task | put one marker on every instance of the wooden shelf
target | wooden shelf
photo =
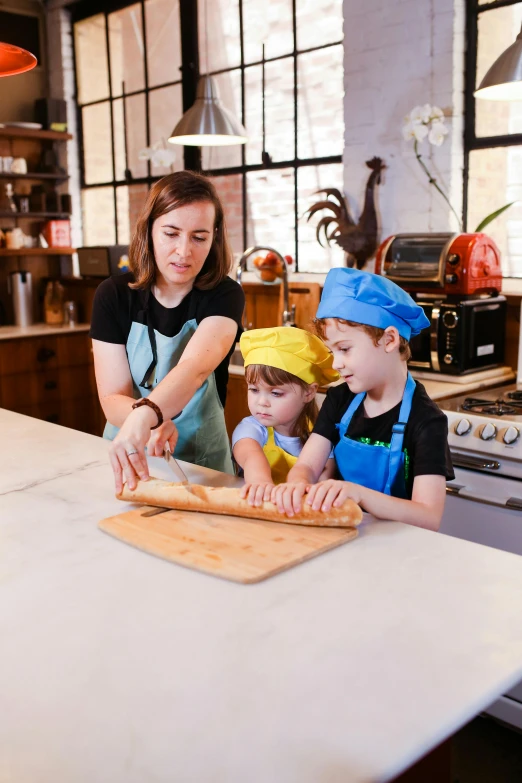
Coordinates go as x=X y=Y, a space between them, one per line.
x=57 y=215
x=30 y=133
x=35 y=175
x=38 y=251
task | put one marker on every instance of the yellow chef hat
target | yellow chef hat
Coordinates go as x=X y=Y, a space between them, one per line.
x=293 y=350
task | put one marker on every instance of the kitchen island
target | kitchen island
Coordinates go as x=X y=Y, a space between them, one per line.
x=118 y=667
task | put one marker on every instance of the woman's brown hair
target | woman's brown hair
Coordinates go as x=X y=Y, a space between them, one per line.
x=273 y=376
x=178 y=190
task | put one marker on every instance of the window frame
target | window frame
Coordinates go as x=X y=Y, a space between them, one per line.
x=188 y=81
x=473 y=142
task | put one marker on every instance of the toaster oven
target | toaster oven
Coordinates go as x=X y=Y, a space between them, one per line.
x=460 y=264
x=464 y=336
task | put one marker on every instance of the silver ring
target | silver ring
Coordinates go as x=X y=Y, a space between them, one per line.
x=135 y=451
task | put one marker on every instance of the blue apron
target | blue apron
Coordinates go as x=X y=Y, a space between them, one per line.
x=202 y=438
x=375 y=466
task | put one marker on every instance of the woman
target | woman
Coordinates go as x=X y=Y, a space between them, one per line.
x=163 y=335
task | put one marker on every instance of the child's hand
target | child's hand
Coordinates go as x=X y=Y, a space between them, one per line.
x=289 y=497
x=330 y=493
x=256 y=494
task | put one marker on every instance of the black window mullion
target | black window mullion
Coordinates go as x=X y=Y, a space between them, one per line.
x=146 y=79
x=107 y=45
x=244 y=199
x=188 y=16
x=296 y=216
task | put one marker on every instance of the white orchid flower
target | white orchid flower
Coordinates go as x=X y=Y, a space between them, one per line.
x=437 y=133
x=421 y=114
x=436 y=113
x=414 y=130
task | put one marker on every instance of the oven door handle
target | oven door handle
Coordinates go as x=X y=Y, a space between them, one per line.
x=474 y=463
x=434 y=338
x=459 y=490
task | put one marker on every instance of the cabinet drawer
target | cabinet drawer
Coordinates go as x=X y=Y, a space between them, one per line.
x=53 y=385
x=28 y=355
x=34 y=354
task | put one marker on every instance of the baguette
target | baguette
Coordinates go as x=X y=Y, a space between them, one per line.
x=226 y=500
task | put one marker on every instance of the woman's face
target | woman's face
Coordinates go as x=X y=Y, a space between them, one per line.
x=182 y=239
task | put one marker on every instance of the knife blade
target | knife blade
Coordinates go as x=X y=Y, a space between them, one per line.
x=175 y=467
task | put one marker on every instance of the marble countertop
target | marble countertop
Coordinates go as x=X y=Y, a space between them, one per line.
x=39 y=330
x=117 y=666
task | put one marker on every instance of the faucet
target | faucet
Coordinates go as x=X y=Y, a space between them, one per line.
x=288 y=312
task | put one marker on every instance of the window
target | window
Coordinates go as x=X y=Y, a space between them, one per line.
x=130 y=95
x=303 y=108
x=493 y=133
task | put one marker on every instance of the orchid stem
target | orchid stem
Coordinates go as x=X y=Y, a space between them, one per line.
x=434 y=182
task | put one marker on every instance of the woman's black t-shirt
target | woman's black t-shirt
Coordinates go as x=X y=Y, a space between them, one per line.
x=425 y=436
x=116 y=306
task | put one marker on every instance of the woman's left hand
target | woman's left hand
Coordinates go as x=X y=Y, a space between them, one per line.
x=127 y=450
x=325 y=494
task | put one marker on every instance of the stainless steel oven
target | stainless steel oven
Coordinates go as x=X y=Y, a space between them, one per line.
x=484 y=502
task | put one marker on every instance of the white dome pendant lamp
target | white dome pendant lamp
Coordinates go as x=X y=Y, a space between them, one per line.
x=208 y=123
x=503 y=81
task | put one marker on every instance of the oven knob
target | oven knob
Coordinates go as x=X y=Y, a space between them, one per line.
x=450 y=319
x=452 y=279
x=511 y=435
x=448 y=358
x=453 y=259
x=463 y=426
x=488 y=431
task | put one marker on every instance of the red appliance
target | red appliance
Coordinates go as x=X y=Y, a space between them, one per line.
x=461 y=264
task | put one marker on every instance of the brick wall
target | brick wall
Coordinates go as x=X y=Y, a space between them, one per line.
x=62 y=85
x=398 y=55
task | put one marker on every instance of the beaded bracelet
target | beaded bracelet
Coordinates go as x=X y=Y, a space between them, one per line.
x=155 y=408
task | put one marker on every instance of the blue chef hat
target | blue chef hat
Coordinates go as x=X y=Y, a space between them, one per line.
x=372 y=300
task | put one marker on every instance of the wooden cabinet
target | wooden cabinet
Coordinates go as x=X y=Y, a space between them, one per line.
x=236 y=407
x=51 y=378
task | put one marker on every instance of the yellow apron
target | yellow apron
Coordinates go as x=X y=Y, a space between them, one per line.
x=279 y=460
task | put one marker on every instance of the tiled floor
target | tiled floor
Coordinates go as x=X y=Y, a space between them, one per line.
x=486 y=752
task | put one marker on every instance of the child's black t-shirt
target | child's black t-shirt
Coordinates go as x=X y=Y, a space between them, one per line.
x=425 y=436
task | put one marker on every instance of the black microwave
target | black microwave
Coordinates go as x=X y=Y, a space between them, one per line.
x=462 y=337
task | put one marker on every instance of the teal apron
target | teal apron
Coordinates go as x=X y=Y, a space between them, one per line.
x=376 y=467
x=202 y=434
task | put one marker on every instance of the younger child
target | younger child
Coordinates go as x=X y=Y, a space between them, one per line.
x=390 y=439
x=283 y=367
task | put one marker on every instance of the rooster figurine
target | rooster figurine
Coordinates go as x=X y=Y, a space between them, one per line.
x=358 y=240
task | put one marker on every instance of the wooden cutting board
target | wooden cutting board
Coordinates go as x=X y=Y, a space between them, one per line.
x=242 y=550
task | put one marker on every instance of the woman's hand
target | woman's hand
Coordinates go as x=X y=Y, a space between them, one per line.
x=159 y=438
x=257 y=494
x=127 y=450
x=325 y=494
x=289 y=497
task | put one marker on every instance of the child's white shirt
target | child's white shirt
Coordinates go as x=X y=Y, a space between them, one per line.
x=251 y=428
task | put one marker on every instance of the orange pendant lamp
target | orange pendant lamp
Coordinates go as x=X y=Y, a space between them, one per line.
x=14 y=59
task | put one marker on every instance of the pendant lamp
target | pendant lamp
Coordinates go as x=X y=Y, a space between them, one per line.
x=14 y=59
x=503 y=81
x=208 y=122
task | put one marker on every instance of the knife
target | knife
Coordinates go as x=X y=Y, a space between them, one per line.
x=175 y=466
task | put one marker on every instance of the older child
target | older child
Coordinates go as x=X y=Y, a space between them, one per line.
x=390 y=439
x=283 y=368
